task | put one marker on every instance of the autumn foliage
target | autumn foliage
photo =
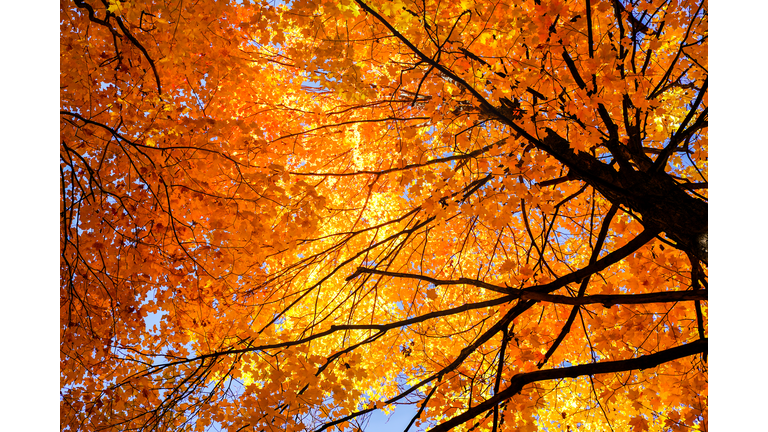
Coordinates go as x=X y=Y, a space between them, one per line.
x=284 y=216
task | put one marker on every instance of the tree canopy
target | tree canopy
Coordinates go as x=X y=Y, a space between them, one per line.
x=284 y=216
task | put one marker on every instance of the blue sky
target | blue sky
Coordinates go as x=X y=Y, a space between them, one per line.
x=397 y=421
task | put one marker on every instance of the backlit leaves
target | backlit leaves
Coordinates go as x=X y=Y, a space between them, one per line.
x=288 y=216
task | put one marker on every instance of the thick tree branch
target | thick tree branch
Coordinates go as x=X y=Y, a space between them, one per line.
x=608 y=300
x=521 y=380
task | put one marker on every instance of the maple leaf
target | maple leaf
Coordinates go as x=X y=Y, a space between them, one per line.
x=639 y=424
x=115 y=6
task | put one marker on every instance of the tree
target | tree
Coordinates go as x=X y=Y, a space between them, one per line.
x=493 y=211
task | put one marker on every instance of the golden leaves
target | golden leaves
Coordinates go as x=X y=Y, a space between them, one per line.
x=296 y=144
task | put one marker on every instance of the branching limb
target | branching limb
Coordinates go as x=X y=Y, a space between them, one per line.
x=521 y=380
x=583 y=288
